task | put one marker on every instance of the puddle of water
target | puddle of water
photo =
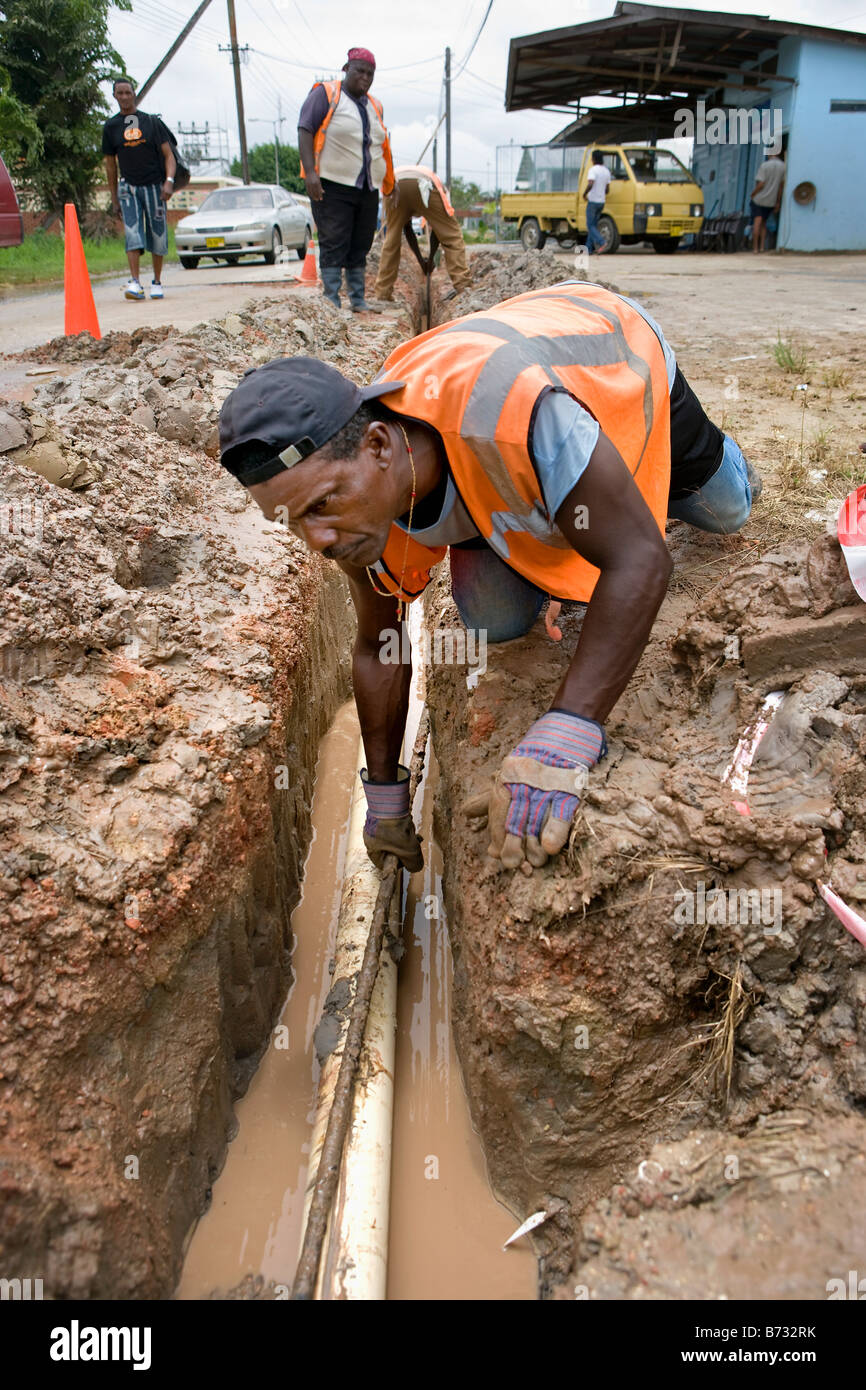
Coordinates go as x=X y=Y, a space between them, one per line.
x=446 y=1228
x=253 y=1225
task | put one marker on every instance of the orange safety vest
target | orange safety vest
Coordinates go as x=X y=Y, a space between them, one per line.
x=333 y=90
x=420 y=171
x=478 y=380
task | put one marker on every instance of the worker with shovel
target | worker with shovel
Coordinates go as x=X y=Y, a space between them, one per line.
x=418 y=192
x=543 y=442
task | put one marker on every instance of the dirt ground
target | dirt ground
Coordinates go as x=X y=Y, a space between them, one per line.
x=163 y=652
x=612 y=1044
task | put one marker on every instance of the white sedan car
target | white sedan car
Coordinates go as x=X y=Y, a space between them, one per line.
x=259 y=219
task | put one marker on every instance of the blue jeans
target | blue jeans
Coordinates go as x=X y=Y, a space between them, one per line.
x=493 y=598
x=593 y=236
x=724 y=501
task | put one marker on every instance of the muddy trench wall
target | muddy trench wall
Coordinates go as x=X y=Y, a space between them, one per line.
x=168 y=664
x=675 y=1082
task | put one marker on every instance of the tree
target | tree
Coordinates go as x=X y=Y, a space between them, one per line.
x=56 y=53
x=20 y=136
x=467 y=195
x=261 y=160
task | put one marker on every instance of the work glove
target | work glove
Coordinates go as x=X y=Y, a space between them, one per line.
x=535 y=795
x=389 y=828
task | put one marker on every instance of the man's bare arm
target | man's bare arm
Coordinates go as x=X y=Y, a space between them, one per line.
x=308 y=160
x=111 y=176
x=624 y=542
x=381 y=688
x=170 y=170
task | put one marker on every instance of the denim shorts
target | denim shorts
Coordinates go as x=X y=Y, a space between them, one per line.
x=758 y=210
x=145 y=223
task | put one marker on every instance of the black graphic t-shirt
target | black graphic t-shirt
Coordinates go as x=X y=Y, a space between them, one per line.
x=135 y=140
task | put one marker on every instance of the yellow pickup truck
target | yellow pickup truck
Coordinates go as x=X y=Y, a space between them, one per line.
x=651 y=197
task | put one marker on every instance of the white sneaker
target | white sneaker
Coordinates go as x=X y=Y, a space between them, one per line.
x=156 y=290
x=132 y=290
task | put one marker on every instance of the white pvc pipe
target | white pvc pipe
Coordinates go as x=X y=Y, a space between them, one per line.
x=354 y=1261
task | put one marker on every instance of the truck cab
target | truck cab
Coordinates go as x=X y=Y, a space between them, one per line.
x=652 y=197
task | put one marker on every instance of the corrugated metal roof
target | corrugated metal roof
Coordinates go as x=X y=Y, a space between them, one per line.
x=645 y=52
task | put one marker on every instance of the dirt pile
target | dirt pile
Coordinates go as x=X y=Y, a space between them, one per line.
x=498 y=275
x=677 y=967
x=174 y=388
x=168 y=663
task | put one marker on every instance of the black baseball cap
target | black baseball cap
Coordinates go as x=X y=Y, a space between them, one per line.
x=293 y=404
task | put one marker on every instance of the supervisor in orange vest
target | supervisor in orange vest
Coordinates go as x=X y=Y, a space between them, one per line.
x=543 y=443
x=345 y=160
x=418 y=192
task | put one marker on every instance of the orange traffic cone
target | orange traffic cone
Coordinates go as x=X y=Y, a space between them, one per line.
x=309 y=273
x=80 y=315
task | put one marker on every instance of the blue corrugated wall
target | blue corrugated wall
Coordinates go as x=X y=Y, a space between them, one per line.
x=824 y=148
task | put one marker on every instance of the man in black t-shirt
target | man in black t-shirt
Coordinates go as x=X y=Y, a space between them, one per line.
x=140 y=144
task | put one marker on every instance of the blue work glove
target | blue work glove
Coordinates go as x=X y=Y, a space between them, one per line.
x=537 y=791
x=389 y=828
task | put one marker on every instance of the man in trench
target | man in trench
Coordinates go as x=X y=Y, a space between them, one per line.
x=541 y=444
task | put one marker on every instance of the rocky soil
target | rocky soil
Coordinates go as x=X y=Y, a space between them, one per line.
x=168 y=663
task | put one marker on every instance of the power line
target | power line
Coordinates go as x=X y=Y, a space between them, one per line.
x=495 y=85
x=165 y=14
x=306 y=21
x=474 y=41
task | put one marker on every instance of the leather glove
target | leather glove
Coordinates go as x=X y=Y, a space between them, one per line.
x=535 y=794
x=389 y=828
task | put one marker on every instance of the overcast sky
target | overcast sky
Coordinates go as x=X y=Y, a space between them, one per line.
x=293 y=42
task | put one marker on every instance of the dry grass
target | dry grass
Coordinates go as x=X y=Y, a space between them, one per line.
x=834 y=378
x=813 y=476
x=719 y=1037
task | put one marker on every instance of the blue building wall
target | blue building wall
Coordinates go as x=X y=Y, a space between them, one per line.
x=824 y=148
x=828 y=150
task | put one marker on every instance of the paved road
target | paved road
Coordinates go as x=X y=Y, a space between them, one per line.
x=36 y=316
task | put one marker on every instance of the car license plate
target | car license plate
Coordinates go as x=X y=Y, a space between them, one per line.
x=676 y=229
x=213 y=241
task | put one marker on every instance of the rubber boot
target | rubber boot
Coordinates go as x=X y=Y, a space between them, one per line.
x=331 y=277
x=355 y=278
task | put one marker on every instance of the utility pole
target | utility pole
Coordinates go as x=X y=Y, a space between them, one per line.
x=239 y=91
x=194 y=19
x=448 y=119
x=278 y=135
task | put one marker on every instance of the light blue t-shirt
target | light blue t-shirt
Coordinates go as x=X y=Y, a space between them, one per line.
x=563 y=437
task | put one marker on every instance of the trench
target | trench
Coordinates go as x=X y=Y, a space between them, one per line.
x=447 y=1229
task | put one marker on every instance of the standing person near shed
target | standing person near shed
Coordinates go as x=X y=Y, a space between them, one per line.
x=418 y=192
x=766 y=197
x=345 y=161
x=594 y=195
x=141 y=146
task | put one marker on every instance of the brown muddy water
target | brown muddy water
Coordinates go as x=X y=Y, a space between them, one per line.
x=446 y=1227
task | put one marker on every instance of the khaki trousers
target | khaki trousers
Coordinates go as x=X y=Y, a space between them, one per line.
x=446 y=228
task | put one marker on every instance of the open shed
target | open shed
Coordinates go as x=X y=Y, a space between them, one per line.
x=737 y=84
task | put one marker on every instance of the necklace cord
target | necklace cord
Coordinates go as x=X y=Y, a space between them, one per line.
x=400 y=602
